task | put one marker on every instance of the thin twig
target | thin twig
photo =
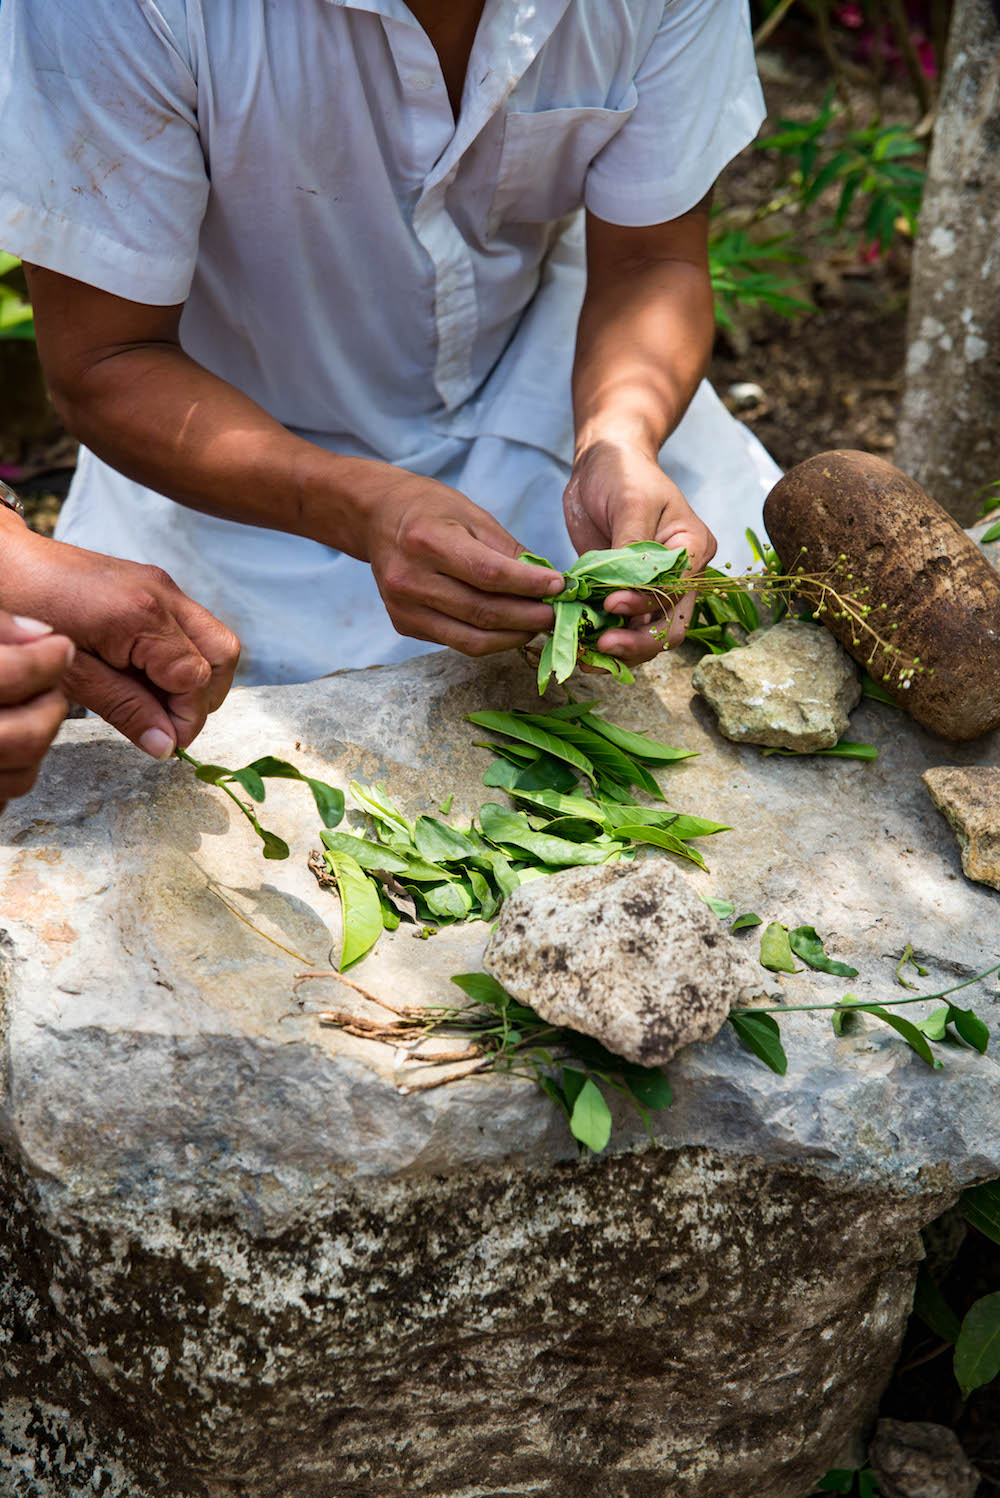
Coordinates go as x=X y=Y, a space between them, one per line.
x=247 y=922
x=767 y=28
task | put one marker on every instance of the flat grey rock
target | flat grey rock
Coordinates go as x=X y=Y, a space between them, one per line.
x=792 y=686
x=239 y=1253
x=627 y=953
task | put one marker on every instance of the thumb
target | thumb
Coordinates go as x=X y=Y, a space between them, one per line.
x=15 y=629
x=121 y=699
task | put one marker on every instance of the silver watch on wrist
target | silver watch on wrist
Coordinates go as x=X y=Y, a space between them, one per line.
x=9 y=499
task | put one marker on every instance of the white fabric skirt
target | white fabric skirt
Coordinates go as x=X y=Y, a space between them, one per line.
x=302 y=610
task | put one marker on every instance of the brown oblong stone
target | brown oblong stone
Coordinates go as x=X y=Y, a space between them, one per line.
x=937 y=587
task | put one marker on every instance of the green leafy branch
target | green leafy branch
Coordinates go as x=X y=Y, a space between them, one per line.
x=329 y=800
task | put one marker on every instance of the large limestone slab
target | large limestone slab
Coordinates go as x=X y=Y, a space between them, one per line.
x=238 y=1258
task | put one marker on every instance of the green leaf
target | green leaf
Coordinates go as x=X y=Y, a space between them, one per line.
x=775 y=949
x=977 y=1351
x=761 y=1035
x=981 y=1207
x=722 y=908
x=329 y=801
x=212 y=774
x=369 y=855
x=565 y=639
x=546 y=663
x=648 y=1084
x=275 y=847
x=637 y=744
x=439 y=843
x=932 y=1308
x=251 y=782
x=360 y=905
x=743 y=922
x=841 y=1016
x=511 y=829
x=590 y=1119
x=390 y=915
x=452 y=901
x=874 y=689
x=573 y=1083
x=992 y=534
x=657 y=838
x=483 y=988
x=552 y=1090
x=519 y=728
x=617 y=668
x=633 y=566
x=971 y=1028
x=935 y=1026
x=805 y=943
x=545 y=774
x=376 y=802
x=907 y=1029
x=838 y=1480
x=673 y=822
x=559 y=805
x=601 y=753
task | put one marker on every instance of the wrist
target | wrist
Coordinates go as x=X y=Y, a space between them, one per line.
x=604 y=434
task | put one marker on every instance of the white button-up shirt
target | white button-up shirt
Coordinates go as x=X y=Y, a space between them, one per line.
x=383 y=279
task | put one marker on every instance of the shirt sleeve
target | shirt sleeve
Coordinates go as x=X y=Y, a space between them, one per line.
x=102 y=175
x=699 y=103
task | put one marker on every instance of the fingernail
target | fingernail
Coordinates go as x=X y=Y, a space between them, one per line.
x=157 y=744
x=70 y=653
x=32 y=626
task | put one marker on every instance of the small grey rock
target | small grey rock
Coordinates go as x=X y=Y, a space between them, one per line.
x=969 y=797
x=791 y=687
x=627 y=953
x=915 y=1459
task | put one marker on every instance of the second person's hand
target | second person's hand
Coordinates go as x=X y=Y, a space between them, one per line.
x=149 y=660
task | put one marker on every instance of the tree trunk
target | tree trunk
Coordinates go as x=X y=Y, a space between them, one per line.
x=949 y=433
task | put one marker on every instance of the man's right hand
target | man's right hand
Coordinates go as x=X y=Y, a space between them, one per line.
x=149 y=660
x=448 y=572
x=33 y=663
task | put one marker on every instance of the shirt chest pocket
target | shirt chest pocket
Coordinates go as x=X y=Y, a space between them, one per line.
x=544 y=161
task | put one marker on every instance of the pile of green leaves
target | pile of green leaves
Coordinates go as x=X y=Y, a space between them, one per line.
x=580 y=615
x=433 y=873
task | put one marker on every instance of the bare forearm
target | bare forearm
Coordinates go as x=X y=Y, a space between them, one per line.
x=159 y=417
x=643 y=344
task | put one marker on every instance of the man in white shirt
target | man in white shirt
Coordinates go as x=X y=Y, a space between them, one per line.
x=308 y=280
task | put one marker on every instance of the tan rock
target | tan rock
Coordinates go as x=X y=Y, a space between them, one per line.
x=791 y=687
x=969 y=796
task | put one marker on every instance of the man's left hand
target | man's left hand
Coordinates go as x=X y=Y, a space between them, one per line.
x=618 y=494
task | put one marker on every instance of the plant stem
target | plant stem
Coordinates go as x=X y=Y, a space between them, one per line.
x=919 y=998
